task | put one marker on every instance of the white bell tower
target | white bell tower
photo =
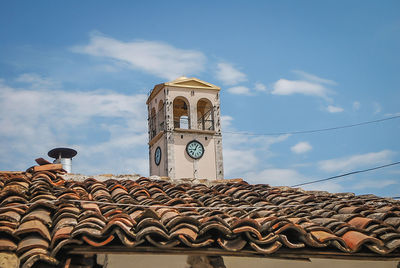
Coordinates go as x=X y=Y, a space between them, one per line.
x=185 y=130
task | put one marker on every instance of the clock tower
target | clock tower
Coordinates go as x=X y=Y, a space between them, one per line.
x=185 y=130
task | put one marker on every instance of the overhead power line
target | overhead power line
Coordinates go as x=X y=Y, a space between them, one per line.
x=346 y=174
x=313 y=130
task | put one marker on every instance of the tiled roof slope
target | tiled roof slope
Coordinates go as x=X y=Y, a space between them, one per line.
x=41 y=215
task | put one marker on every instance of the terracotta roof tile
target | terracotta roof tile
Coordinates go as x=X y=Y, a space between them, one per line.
x=7 y=245
x=30 y=242
x=41 y=214
x=33 y=226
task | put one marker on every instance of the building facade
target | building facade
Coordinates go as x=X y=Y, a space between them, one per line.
x=184 y=126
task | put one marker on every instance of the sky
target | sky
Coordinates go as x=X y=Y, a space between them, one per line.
x=77 y=74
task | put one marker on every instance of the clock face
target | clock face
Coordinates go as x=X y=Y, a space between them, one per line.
x=195 y=149
x=157 y=156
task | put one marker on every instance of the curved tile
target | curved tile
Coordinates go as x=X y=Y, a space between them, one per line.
x=235 y=244
x=249 y=230
x=267 y=239
x=33 y=226
x=155 y=231
x=39 y=214
x=32 y=252
x=97 y=242
x=150 y=222
x=323 y=236
x=127 y=241
x=167 y=244
x=354 y=240
x=7 y=245
x=215 y=228
x=63 y=243
x=39 y=258
x=92 y=232
x=61 y=234
x=117 y=224
x=30 y=242
x=11 y=216
x=196 y=244
x=186 y=232
x=290 y=244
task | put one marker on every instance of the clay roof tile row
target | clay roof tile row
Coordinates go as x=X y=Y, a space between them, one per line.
x=41 y=215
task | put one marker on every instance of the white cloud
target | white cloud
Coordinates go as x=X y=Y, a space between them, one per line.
x=302 y=165
x=374 y=184
x=334 y=109
x=238 y=161
x=35 y=81
x=356 y=161
x=392 y=114
x=289 y=177
x=276 y=177
x=229 y=75
x=314 y=78
x=242 y=152
x=260 y=87
x=377 y=108
x=108 y=68
x=290 y=87
x=356 y=105
x=301 y=147
x=309 y=84
x=329 y=186
x=106 y=128
x=239 y=90
x=157 y=58
x=226 y=121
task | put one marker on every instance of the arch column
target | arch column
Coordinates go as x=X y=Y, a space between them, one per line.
x=193 y=116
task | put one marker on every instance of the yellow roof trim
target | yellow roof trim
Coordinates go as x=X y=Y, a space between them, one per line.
x=182 y=82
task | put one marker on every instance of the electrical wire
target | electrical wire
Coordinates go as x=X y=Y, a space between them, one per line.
x=313 y=130
x=346 y=174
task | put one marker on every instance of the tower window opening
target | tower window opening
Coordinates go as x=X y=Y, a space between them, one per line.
x=181 y=113
x=153 y=123
x=160 y=116
x=205 y=115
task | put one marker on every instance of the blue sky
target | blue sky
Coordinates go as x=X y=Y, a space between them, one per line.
x=76 y=73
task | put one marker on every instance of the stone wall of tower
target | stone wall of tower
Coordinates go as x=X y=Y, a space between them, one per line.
x=169 y=121
x=218 y=157
x=185 y=166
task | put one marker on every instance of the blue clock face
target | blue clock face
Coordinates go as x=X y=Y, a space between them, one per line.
x=195 y=149
x=157 y=156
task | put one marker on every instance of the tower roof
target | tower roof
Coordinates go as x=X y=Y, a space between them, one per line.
x=183 y=82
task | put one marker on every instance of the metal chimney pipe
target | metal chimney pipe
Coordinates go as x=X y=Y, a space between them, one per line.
x=63 y=156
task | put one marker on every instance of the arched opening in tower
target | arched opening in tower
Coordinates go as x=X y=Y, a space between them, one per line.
x=160 y=116
x=153 y=123
x=205 y=115
x=181 y=113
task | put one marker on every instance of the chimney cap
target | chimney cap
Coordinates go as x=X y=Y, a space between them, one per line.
x=63 y=152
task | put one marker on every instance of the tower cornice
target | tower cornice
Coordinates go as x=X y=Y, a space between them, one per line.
x=183 y=82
